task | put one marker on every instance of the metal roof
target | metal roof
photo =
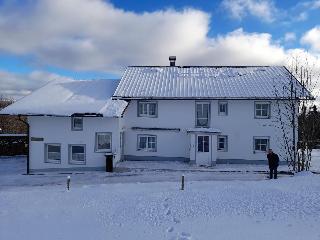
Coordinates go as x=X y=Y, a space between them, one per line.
x=210 y=82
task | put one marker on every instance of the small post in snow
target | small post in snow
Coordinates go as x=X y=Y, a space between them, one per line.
x=182 y=182
x=68 y=183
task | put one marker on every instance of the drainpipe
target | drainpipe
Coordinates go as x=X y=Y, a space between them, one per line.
x=28 y=141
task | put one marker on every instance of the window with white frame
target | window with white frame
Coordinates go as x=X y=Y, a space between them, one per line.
x=223 y=108
x=103 y=142
x=77 y=154
x=76 y=123
x=261 y=144
x=262 y=109
x=147 y=109
x=202 y=114
x=222 y=143
x=52 y=153
x=147 y=143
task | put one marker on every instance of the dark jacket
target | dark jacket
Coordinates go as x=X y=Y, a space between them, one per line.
x=273 y=160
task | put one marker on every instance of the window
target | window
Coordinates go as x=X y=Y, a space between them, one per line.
x=103 y=142
x=262 y=109
x=223 y=108
x=147 y=109
x=77 y=154
x=52 y=153
x=147 y=143
x=223 y=143
x=202 y=114
x=261 y=144
x=76 y=123
x=203 y=143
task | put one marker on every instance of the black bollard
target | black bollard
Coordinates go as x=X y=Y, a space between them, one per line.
x=182 y=182
x=68 y=183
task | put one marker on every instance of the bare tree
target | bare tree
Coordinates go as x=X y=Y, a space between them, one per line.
x=294 y=106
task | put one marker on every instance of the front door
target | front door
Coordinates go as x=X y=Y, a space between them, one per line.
x=203 y=150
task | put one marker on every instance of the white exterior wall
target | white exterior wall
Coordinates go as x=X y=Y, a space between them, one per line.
x=58 y=130
x=239 y=125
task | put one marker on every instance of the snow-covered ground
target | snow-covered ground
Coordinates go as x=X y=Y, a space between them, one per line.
x=145 y=202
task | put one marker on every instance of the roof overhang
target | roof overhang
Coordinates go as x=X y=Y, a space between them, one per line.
x=204 y=130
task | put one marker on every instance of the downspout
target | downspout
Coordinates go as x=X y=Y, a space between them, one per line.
x=28 y=141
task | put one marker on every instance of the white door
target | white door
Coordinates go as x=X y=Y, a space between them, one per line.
x=203 y=150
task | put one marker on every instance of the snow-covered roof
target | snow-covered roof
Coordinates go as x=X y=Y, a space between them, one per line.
x=68 y=97
x=206 y=82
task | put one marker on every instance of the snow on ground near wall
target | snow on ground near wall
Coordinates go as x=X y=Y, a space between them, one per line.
x=287 y=208
x=39 y=207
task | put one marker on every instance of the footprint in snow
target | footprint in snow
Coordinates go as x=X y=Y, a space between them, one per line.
x=166 y=205
x=170 y=229
x=184 y=236
x=168 y=212
x=176 y=220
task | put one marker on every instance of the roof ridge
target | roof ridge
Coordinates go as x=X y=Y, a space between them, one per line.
x=209 y=66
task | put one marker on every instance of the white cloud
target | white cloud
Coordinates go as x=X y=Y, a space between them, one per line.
x=312 y=38
x=262 y=9
x=96 y=36
x=18 y=85
x=290 y=37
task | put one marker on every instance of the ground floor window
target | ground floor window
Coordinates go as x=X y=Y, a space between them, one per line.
x=261 y=144
x=147 y=143
x=77 y=154
x=203 y=143
x=53 y=153
x=103 y=142
x=222 y=143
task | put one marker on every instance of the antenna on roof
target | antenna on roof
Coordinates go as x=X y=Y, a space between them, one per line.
x=172 y=60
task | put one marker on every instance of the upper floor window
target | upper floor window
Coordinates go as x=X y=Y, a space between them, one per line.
x=222 y=143
x=147 y=109
x=52 y=153
x=261 y=144
x=76 y=123
x=262 y=109
x=147 y=143
x=223 y=108
x=202 y=114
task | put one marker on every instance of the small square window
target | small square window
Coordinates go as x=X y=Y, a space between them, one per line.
x=76 y=123
x=261 y=144
x=147 y=109
x=262 y=110
x=223 y=143
x=103 y=142
x=147 y=143
x=77 y=154
x=52 y=153
x=223 y=108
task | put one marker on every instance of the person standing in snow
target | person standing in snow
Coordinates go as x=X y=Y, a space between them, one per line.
x=273 y=161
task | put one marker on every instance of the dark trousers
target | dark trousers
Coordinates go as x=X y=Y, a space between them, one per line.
x=273 y=172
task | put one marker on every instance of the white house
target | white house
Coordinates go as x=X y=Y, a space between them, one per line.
x=72 y=124
x=198 y=114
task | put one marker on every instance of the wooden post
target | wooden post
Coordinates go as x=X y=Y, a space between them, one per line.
x=182 y=182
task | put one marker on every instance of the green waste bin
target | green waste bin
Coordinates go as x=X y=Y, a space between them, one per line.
x=109 y=162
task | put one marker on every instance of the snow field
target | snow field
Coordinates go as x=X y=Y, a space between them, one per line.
x=287 y=208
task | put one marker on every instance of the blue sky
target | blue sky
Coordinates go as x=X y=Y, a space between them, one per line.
x=84 y=39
